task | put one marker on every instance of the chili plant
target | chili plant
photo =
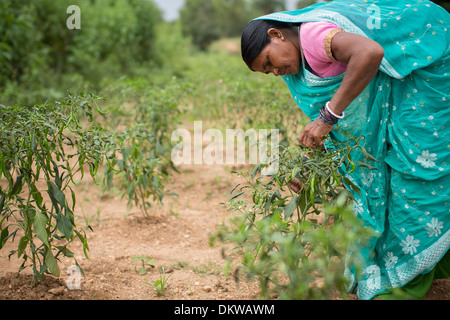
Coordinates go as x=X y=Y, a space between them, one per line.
x=143 y=172
x=296 y=243
x=142 y=156
x=42 y=149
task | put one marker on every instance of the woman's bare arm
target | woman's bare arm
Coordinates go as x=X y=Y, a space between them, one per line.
x=363 y=57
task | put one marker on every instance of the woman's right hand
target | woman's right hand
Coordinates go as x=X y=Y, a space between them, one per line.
x=295 y=185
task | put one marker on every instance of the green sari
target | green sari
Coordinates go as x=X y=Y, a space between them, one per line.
x=404 y=115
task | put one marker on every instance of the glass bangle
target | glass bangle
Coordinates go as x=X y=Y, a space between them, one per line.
x=332 y=113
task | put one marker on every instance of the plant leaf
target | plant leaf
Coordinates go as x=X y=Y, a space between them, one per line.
x=58 y=195
x=236 y=195
x=17 y=187
x=2 y=202
x=51 y=263
x=290 y=208
x=234 y=188
x=64 y=225
x=157 y=283
x=85 y=244
x=40 y=227
x=23 y=242
x=4 y=236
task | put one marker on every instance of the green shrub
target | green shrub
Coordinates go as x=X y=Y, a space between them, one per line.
x=205 y=21
x=295 y=244
x=42 y=148
x=37 y=48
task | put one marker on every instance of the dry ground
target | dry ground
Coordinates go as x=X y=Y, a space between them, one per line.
x=175 y=236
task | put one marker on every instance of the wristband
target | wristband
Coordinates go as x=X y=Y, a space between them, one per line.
x=326 y=117
x=332 y=113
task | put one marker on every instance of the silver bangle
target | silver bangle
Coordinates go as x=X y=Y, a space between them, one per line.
x=332 y=113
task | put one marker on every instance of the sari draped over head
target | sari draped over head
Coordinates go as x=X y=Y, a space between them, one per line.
x=404 y=115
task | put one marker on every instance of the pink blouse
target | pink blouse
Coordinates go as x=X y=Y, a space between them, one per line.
x=316 y=44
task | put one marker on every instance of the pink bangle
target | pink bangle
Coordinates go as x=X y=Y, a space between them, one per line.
x=332 y=113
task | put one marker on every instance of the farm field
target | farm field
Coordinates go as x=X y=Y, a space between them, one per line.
x=177 y=237
x=89 y=181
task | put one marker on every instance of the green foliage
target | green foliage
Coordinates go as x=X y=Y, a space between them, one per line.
x=305 y=3
x=143 y=173
x=116 y=35
x=196 y=17
x=145 y=261
x=296 y=244
x=262 y=7
x=208 y=20
x=46 y=146
x=293 y=243
x=143 y=146
x=160 y=284
x=21 y=51
x=37 y=48
x=173 y=50
x=235 y=97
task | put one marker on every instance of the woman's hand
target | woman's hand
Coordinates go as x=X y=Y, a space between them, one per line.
x=295 y=185
x=314 y=133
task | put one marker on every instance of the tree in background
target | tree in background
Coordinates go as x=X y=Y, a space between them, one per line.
x=199 y=21
x=305 y=3
x=116 y=36
x=21 y=50
x=208 y=20
x=234 y=16
x=36 y=44
x=268 y=6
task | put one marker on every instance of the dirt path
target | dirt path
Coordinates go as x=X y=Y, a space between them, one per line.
x=176 y=236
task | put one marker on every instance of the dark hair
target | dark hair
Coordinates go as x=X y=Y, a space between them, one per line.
x=254 y=37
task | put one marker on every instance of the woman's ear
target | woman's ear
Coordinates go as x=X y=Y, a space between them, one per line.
x=274 y=33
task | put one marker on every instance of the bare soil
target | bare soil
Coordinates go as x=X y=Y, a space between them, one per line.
x=176 y=236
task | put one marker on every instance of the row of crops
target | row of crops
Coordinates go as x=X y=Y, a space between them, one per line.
x=293 y=243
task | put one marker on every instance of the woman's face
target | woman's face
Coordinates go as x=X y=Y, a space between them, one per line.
x=280 y=56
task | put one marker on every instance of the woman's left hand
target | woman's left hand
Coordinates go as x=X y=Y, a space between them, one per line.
x=314 y=133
